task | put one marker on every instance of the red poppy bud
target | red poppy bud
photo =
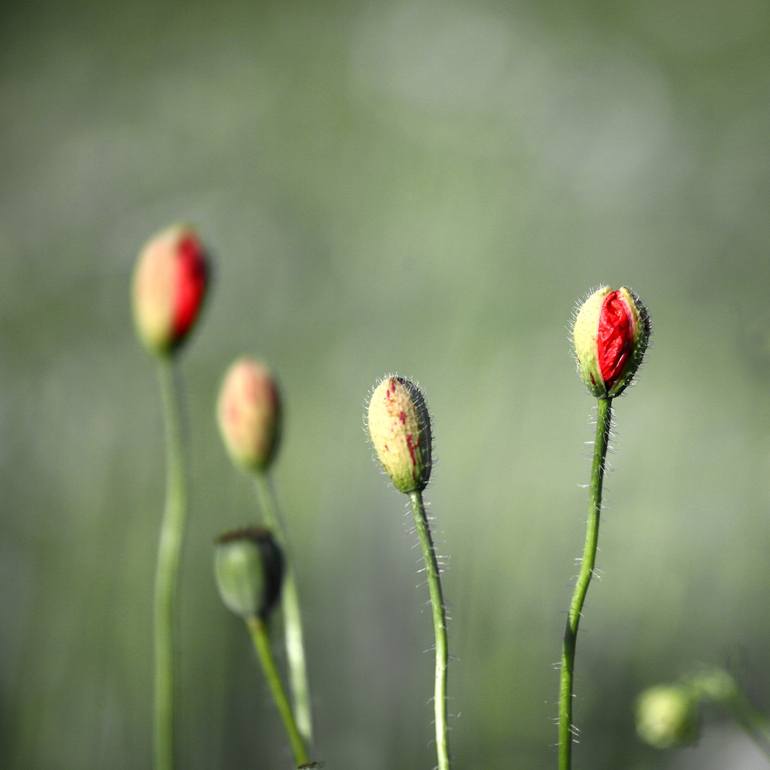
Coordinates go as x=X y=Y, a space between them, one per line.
x=610 y=334
x=170 y=282
x=249 y=414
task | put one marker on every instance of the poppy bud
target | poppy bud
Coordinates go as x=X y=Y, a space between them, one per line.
x=399 y=426
x=170 y=282
x=249 y=414
x=248 y=566
x=667 y=716
x=610 y=334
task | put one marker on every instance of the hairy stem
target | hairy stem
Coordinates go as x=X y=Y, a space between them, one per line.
x=292 y=616
x=167 y=571
x=439 y=627
x=261 y=641
x=603 y=418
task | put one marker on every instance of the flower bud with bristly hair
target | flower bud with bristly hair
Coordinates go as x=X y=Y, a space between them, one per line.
x=249 y=567
x=399 y=427
x=667 y=716
x=169 y=287
x=249 y=414
x=610 y=334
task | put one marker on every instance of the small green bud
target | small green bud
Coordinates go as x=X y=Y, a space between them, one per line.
x=249 y=414
x=667 y=716
x=248 y=566
x=610 y=335
x=399 y=426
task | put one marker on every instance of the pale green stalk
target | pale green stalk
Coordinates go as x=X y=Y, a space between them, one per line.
x=167 y=572
x=261 y=641
x=752 y=721
x=292 y=616
x=439 y=628
x=719 y=686
x=603 y=418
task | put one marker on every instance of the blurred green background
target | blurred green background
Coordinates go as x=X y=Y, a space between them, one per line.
x=423 y=187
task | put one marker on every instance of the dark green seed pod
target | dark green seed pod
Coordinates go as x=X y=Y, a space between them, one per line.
x=249 y=566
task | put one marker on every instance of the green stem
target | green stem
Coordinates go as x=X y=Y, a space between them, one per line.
x=292 y=616
x=603 y=418
x=167 y=571
x=439 y=627
x=752 y=721
x=259 y=637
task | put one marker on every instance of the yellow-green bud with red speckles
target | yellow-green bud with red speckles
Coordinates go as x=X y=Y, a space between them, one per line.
x=399 y=427
x=610 y=334
x=249 y=414
x=248 y=567
x=667 y=716
x=170 y=282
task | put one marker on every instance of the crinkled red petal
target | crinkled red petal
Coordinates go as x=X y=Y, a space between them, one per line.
x=615 y=337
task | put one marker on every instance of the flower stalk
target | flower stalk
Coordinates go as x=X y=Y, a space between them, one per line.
x=438 y=612
x=167 y=571
x=292 y=615
x=587 y=563
x=261 y=641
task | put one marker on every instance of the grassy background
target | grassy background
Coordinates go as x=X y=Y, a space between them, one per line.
x=415 y=186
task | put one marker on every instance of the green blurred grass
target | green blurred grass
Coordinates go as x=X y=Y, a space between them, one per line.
x=425 y=188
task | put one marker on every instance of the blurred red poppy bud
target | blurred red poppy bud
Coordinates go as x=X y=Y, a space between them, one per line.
x=610 y=335
x=249 y=567
x=249 y=414
x=399 y=426
x=169 y=288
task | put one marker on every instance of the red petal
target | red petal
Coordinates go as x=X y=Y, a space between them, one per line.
x=190 y=284
x=615 y=337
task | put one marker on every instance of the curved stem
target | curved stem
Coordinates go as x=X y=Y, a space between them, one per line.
x=603 y=418
x=292 y=616
x=261 y=641
x=167 y=571
x=439 y=627
x=752 y=721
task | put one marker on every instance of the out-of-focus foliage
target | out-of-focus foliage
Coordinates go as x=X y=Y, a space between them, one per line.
x=420 y=187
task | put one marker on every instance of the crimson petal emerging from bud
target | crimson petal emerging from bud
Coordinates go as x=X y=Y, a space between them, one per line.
x=170 y=282
x=249 y=414
x=610 y=334
x=399 y=426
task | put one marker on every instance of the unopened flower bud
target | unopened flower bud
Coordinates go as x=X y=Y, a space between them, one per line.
x=169 y=288
x=666 y=716
x=248 y=566
x=399 y=426
x=249 y=414
x=610 y=334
